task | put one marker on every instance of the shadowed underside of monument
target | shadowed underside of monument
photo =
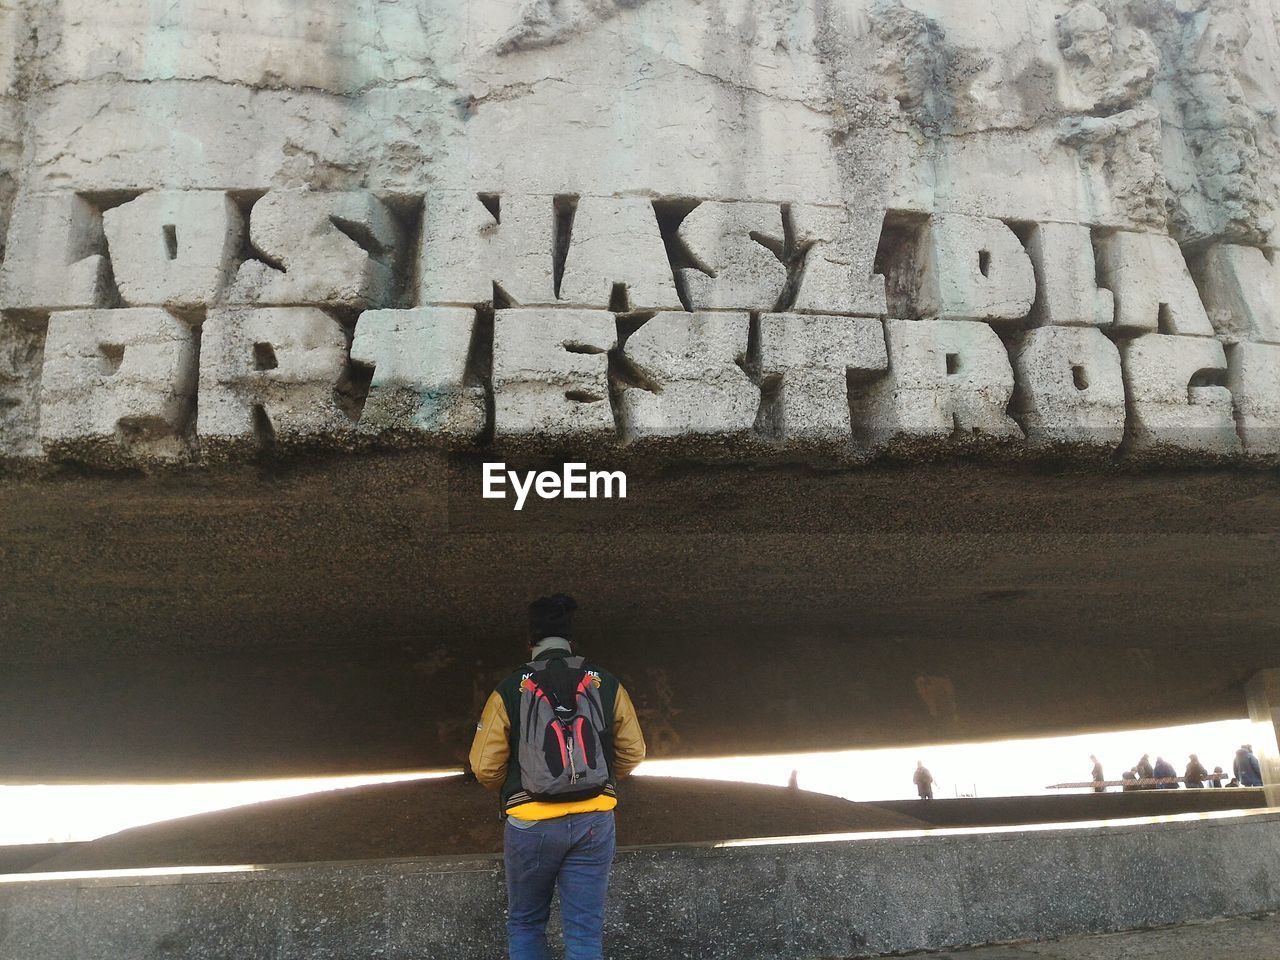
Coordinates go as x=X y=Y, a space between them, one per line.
x=352 y=614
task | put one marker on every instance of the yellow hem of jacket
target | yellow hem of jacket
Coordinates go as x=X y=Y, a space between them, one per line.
x=534 y=810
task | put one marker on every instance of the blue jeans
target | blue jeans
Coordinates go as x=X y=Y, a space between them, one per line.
x=574 y=852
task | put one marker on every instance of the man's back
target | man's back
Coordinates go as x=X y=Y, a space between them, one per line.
x=553 y=740
x=498 y=737
x=1251 y=773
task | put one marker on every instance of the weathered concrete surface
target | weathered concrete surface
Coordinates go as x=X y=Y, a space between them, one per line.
x=1263 y=692
x=351 y=614
x=1256 y=936
x=1059 y=163
x=779 y=901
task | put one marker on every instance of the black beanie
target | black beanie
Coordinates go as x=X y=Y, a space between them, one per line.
x=552 y=616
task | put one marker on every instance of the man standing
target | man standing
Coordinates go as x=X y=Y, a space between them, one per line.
x=1248 y=769
x=1165 y=771
x=1098 y=778
x=923 y=781
x=554 y=739
x=1195 y=774
x=1145 y=771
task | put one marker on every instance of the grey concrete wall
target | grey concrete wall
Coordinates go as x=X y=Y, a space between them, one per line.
x=1263 y=692
x=186 y=197
x=24 y=855
x=788 y=901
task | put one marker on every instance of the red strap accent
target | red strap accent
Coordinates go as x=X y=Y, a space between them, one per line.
x=564 y=755
x=583 y=685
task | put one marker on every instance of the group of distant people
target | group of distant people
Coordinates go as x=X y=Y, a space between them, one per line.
x=1246 y=772
x=1162 y=775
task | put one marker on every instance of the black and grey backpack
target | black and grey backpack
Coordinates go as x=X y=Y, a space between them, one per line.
x=562 y=731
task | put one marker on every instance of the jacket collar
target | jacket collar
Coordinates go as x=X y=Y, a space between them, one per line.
x=551 y=647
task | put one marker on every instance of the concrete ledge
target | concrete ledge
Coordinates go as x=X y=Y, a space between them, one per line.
x=788 y=899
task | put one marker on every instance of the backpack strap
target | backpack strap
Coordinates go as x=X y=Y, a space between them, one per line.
x=574 y=663
x=559 y=681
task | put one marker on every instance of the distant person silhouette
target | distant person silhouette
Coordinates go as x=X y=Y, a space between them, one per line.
x=1196 y=774
x=1130 y=777
x=1217 y=776
x=793 y=781
x=1098 y=778
x=1164 y=770
x=1144 y=771
x=1248 y=769
x=923 y=780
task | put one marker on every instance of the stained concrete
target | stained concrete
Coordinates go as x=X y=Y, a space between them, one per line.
x=1256 y=937
x=779 y=901
x=352 y=614
x=885 y=160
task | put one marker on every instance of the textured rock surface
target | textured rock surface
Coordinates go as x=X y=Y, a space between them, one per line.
x=1253 y=377
x=1066 y=278
x=1070 y=391
x=1153 y=289
x=778 y=157
x=420 y=385
x=1174 y=403
x=973 y=269
x=54 y=255
x=268 y=374
x=738 y=252
x=326 y=249
x=689 y=378
x=122 y=378
x=551 y=373
x=173 y=248
x=806 y=366
x=951 y=382
x=1251 y=936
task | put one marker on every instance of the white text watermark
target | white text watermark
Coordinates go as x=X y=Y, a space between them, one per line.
x=573 y=482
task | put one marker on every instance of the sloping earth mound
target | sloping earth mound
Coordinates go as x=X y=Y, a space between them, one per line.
x=456 y=816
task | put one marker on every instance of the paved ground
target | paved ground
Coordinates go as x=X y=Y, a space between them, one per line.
x=1249 y=938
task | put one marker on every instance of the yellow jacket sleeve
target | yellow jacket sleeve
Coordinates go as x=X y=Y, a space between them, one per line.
x=491 y=749
x=628 y=741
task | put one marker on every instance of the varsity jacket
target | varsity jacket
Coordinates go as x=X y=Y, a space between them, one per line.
x=495 y=747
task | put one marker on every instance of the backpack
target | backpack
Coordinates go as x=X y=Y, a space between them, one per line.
x=562 y=730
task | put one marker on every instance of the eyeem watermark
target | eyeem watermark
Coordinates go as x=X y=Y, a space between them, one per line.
x=573 y=482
